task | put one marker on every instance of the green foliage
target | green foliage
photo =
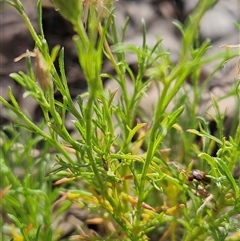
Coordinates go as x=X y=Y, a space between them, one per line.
x=70 y=10
x=125 y=178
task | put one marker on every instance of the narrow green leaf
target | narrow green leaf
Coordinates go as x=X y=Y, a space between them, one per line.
x=13 y=99
x=203 y=133
x=222 y=165
x=38 y=232
x=55 y=52
x=133 y=131
x=15 y=220
x=210 y=160
x=19 y=225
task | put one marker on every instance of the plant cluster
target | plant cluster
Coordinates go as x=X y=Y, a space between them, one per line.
x=135 y=181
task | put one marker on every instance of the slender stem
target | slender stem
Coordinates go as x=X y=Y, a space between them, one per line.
x=89 y=131
x=116 y=67
x=27 y=21
x=79 y=28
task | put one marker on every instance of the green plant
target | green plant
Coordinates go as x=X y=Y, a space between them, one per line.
x=126 y=179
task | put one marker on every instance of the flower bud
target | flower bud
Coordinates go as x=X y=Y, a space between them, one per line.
x=71 y=9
